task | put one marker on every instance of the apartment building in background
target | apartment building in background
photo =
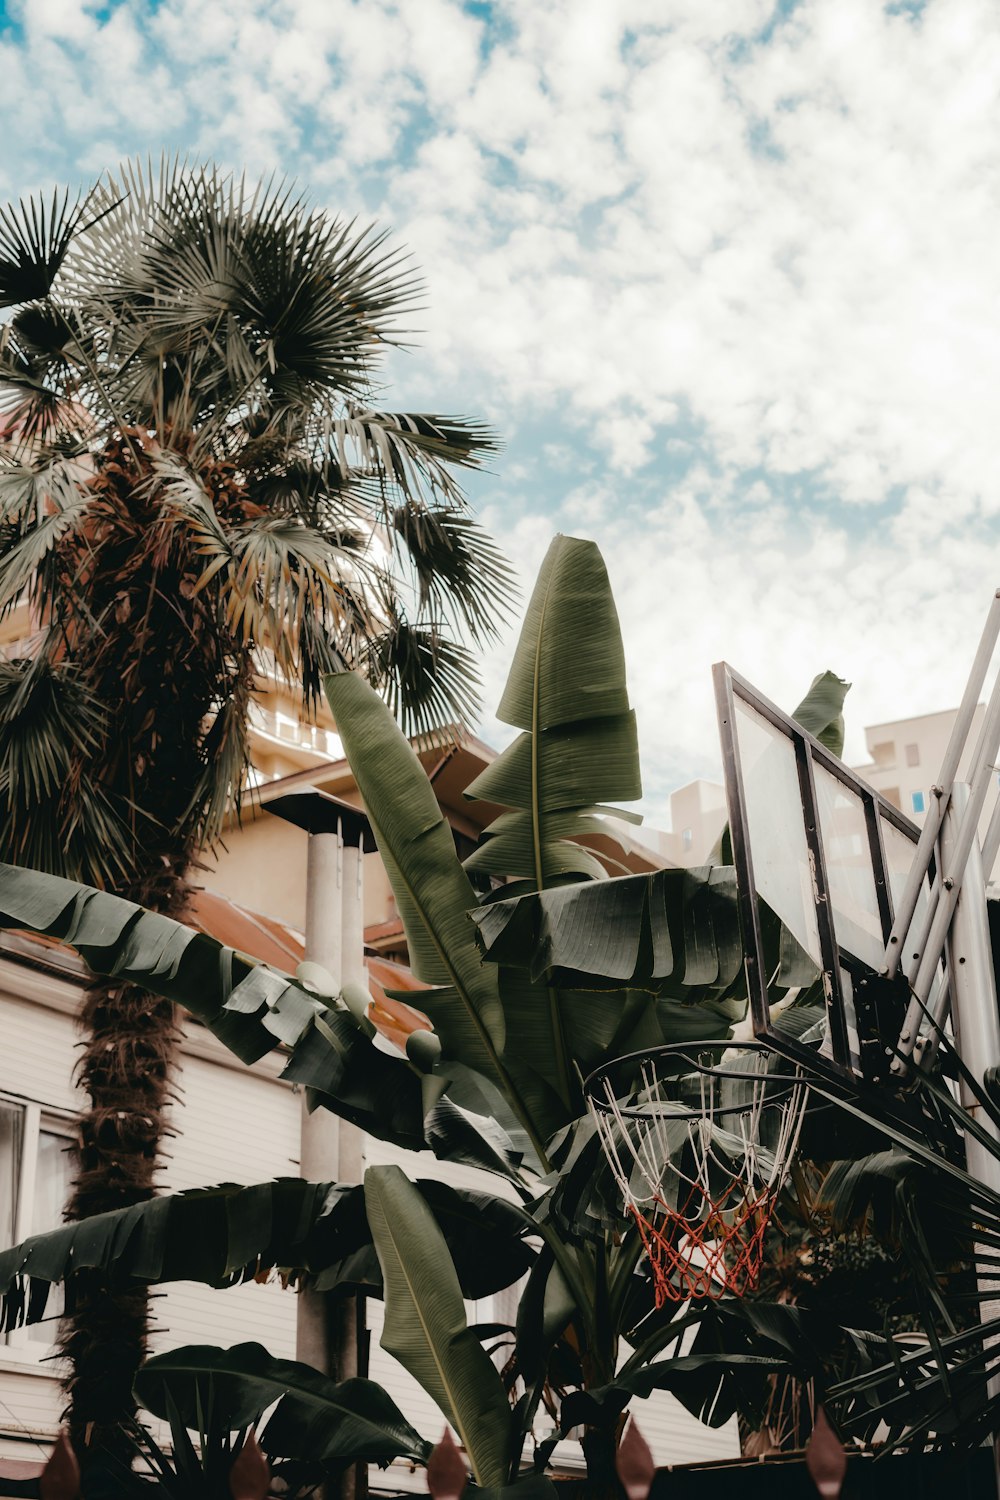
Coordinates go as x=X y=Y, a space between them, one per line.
x=906 y=757
x=697 y=817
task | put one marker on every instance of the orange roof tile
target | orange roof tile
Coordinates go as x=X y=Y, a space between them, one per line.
x=283 y=947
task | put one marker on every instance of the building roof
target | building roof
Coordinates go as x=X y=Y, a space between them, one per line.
x=282 y=947
x=267 y=940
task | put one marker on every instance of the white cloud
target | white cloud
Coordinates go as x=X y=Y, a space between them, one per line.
x=897 y=619
x=654 y=234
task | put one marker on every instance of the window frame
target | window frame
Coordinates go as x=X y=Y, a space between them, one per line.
x=17 y=1347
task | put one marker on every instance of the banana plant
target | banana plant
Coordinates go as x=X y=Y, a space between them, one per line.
x=561 y=967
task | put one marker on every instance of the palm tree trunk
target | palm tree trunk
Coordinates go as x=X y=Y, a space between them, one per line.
x=129 y=1039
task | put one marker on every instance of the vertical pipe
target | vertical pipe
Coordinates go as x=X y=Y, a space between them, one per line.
x=974 y=998
x=962 y=839
x=975 y=1019
x=349 y=1312
x=319 y=1158
x=907 y=903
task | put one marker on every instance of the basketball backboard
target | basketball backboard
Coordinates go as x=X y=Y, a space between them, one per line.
x=822 y=852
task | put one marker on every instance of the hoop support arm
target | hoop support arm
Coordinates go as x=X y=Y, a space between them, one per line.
x=949 y=770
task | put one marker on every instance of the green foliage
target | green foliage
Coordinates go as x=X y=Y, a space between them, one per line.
x=566 y=692
x=224 y=1235
x=822 y=711
x=579 y=969
x=315 y=1417
x=195 y=470
x=425 y=1323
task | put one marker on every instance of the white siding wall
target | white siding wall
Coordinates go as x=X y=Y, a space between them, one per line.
x=37 y=1054
x=233 y=1124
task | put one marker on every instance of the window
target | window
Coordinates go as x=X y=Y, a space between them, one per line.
x=913 y=755
x=917 y=802
x=35 y=1172
x=687 y=838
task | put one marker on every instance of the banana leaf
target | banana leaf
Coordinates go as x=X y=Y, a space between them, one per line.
x=432 y=891
x=821 y=711
x=673 y=933
x=567 y=692
x=224 y=1235
x=316 y=1418
x=433 y=894
x=250 y=1007
x=425 y=1323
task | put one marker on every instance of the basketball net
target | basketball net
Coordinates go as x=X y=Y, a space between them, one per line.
x=700 y=1159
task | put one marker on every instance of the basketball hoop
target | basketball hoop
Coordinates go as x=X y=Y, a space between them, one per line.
x=699 y=1145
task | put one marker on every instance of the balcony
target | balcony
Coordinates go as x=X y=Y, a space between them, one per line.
x=312 y=738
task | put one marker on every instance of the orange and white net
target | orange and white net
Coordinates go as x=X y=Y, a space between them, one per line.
x=700 y=1158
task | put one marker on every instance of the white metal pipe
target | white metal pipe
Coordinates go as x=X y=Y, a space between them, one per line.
x=975 y=1017
x=976 y=1024
x=353 y=918
x=351 y=1158
x=949 y=770
x=324 y=903
x=960 y=846
x=991 y=843
x=319 y=1153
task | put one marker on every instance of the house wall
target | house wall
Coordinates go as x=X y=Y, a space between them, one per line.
x=263 y=867
x=232 y=1125
x=906 y=757
x=36 y=1064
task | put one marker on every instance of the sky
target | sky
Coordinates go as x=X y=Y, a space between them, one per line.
x=724 y=274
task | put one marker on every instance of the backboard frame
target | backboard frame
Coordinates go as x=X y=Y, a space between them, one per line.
x=841 y=1065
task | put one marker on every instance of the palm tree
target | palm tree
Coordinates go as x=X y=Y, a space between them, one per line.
x=195 y=487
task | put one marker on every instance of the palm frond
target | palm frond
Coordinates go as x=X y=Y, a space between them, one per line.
x=185 y=496
x=53 y=813
x=457 y=564
x=278 y=566
x=248 y=298
x=409 y=454
x=429 y=681
x=35 y=237
x=46 y=714
x=20 y=561
x=226 y=753
x=327 y=645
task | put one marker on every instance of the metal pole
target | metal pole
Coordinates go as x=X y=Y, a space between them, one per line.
x=961 y=840
x=349 y=1312
x=976 y=1021
x=331 y=1332
x=907 y=904
x=974 y=997
x=319 y=1156
x=991 y=843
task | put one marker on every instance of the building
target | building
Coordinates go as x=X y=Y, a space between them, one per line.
x=906 y=757
x=697 y=817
